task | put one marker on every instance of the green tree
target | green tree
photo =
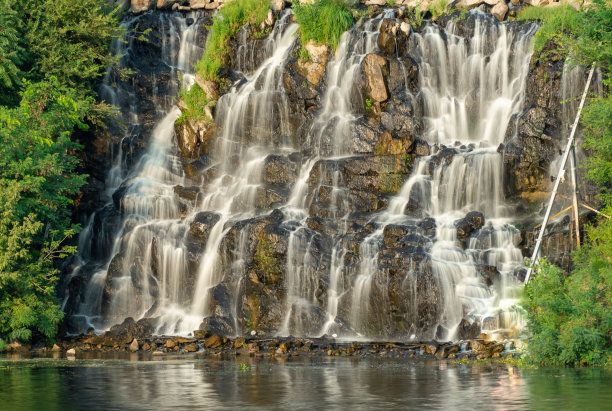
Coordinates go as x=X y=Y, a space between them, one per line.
x=12 y=54
x=37 y=181
x=570 y=318
x=70 y=40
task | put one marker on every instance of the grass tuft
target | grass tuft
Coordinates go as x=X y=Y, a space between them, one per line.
x=323 y=21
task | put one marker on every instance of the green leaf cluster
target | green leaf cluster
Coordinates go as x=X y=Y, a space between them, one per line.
x=323 y=21
x=64 y=39
x=570 y=318
x=37 y=183
x=226 y=23
x=195 y=100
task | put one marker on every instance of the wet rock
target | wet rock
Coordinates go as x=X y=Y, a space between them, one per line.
x=474 y=220
x=193 y=135
x=213 y=342
x=130 y=329
x=463 y=227
x=428 y=226
x=392 y=233
x=388 y=144
x=532 y=122
x=392 y=38
x=71 y=352
x=279 y=170
x=266 y=198
x=134 y=345
x=375 y=71
x=421 y=148
x=199 y=229
x=191 y=347
x=187 y=193
x=217 y=325
x=467 y=330
x=446 y=351
x=431 y=349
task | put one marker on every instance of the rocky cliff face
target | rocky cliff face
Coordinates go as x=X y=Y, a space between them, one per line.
x=320 y=244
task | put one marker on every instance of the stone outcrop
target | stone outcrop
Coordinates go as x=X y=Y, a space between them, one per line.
x=313 y=67
x=138 y=6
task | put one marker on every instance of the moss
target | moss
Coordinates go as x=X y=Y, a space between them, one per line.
x=266 y=262
x=391 y=183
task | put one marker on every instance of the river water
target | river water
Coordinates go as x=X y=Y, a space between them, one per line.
x=334 y=383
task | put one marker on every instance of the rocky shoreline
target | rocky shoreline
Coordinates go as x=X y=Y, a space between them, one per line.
x=215 y=346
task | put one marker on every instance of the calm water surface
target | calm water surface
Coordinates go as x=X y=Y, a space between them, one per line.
x=296 y=384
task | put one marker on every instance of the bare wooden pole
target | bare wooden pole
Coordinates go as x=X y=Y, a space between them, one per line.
x=570 y=142
x=576 y=216
x=592 y=209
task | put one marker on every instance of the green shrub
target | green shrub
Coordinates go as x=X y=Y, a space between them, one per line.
x=556 y=21
x=570 y=318
x=37 y=184
x=195 y=100
x=597 y=122
x=438 y=8
x=323 y=21
x=226 y=24
x=586 y=33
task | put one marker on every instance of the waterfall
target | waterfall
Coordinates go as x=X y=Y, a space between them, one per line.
x=435 y=248
x=144 y=262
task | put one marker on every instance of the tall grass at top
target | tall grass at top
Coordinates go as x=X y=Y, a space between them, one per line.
x=323 y=21
x=226 y=24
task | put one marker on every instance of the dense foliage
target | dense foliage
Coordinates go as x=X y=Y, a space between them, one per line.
x=570 y=318
x=323 y=21
x=36 y=182
x=52 y=54
x=226 y=23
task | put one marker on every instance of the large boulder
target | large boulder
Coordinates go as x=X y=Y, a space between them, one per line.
x=193 y=136
x=375 y=71
x=500 y=10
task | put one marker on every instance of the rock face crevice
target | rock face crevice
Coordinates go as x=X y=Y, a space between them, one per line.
x=351 y=217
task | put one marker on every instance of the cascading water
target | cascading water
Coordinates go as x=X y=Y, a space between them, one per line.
x=470 y=90
x=344 y=272
x=143 y=263
x=329 y=137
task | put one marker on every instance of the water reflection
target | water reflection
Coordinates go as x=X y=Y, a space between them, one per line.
x=296 y=384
